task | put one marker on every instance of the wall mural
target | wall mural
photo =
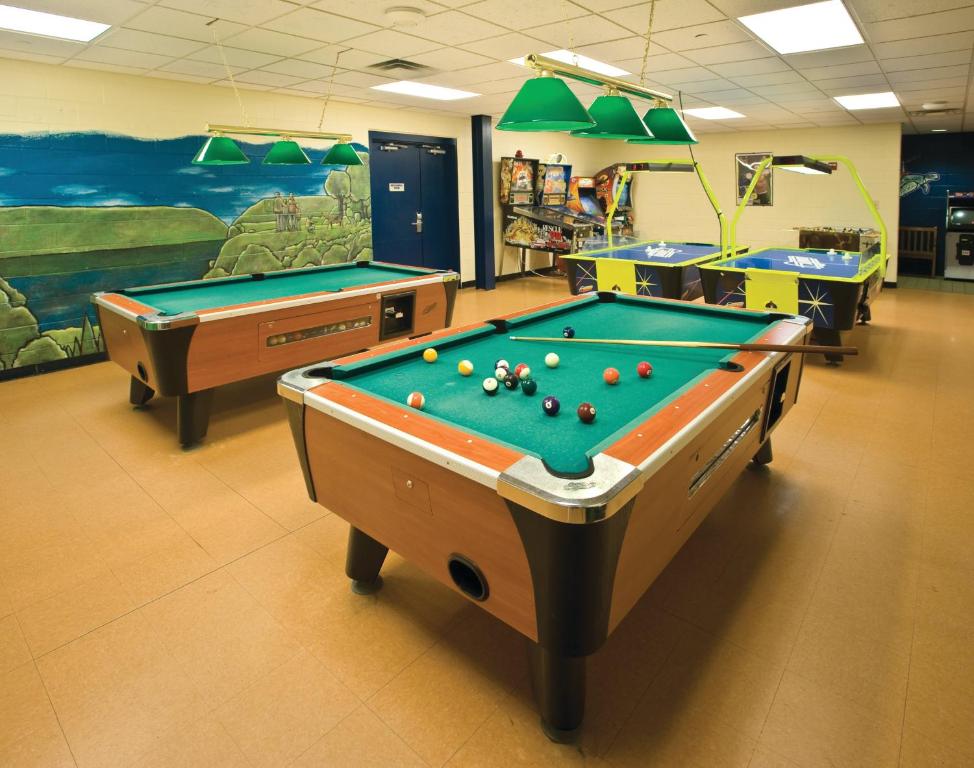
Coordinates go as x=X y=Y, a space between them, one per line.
x=88 y=212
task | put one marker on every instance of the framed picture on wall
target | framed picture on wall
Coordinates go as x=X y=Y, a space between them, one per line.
x=747 y=163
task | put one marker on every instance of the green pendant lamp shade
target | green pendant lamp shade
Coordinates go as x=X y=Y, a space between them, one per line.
x=615 y=118
x=220 y=150
x=545 y=104
x=342 y=154
x=667 y=127
x=286 y=152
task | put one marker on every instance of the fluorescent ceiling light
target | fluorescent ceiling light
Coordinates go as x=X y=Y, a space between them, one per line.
x=938 y=130
x=869 y=100
x=567 y=57
x=49 y=24
x=714 y=113
x=814 y=27
x=424 y=90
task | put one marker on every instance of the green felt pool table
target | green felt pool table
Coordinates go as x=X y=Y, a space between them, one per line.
x=555 y=526
x=185 y=339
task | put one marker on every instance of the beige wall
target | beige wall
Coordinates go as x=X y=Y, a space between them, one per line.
x=39 y=97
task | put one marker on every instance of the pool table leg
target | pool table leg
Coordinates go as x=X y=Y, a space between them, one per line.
x=559 y=687
x=831 y=338
x=193 y=416
x=764 y=454
x=139 y=392
x=363 y=562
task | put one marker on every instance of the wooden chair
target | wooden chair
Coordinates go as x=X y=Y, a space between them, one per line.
x=919 y=243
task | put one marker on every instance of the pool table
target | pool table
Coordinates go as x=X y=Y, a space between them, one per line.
x=664 y=269
x=832 y=288
x=554 y=526
x=185 y=339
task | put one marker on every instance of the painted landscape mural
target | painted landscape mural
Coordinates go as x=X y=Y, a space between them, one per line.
x=89 y=212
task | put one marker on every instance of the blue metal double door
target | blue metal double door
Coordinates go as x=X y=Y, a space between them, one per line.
x=415 y=209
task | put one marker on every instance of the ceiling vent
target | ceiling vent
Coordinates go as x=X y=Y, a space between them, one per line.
x=400 y=66
x=933 y=112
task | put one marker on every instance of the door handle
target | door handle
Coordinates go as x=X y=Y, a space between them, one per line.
x=418 y=223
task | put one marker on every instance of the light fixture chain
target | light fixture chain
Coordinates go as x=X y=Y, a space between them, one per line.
x=331 y=86
x=571 y=29
x=233 y=83
x=649 y=35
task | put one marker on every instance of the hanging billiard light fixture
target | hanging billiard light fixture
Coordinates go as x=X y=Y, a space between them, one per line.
x=342 y=153
x=286 y=152
x=615 y=118
x=667 y=127
x=220 y=150
x=545 y=103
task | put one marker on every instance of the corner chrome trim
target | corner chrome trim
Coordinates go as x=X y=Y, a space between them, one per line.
x=293 y=384
x=159 y=322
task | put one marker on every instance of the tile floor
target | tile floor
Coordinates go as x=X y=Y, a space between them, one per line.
x=170 y=608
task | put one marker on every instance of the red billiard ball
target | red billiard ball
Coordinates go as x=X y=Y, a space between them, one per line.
x=586 y=412
x=550 y=405
x=520 y=367
x=644 y=369
x=611 y=376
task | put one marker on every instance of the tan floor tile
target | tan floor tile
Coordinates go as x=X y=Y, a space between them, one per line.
x=24 y=706
x=361 y=740
x=765 y=758
x=58 y=620
x=234 y=532
x=175 y=562
x=440 y=700
x=196 y=743
x=42 y=748
x=116 y=690
x=6 y=604
x=13 y=648
x=220 y=635
x=328 y=536
x=919 y=751
x=50 y=570
x=815 y=728
x=285 y=712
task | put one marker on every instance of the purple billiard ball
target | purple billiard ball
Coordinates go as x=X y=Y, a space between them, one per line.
x=511 y=381
x=529 y=386
x=551 y=405
x=568 y=332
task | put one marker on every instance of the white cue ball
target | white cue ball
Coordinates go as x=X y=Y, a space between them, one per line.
x=552 y=360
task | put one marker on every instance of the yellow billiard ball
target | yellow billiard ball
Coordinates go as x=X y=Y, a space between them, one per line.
x=430 y=355
x=465 y=367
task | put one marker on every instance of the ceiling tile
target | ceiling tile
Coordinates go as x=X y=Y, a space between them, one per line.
x=453 y=28
x=850 y=55
x=244 y=86
x=38 y=57
x=306 y=70
x=509 y=46
x=105 y=67
x=181 y=24
x=661 y=62
x=234 y=57
x=722 y=54
x=582 y=31
x=509 y=85
x=347 y=58
x=619 y=50
x=772 y=78
x=687 y=75
x=45 y=46
x=669 y=14
x=117 y=56
x=518 y=13
x=392 y=44
x=253 y=13
x=320 y=25
x=841 y=86
x=755 y=67
x=959 y=41
x=842 y=70
x=789 y=91
x=734 y=96
x=451 y=58
x=462 y=77
x=927 y=75
x=929 y=61
x=374 y=11
x=921 y=26
x=200 y=69
x=323 y=87
x=361 y=79
x=268 y=41
x=165 y=75
x=834 y=118
x=704 y=86
x=259 y=77
x=877 y=10
x=106 y=11
x=147 y=42
x=702 y=36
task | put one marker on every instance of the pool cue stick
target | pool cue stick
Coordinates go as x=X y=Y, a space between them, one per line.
x=802 y=349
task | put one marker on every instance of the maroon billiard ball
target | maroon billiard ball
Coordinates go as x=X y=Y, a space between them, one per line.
x=511 y=381
x=586 y=412
x=644 y=369
x=611 y=376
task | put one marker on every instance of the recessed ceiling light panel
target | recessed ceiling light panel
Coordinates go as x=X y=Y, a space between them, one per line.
x=869 y=100
x=424 y=90
x=576 y=59
x=714 y=113
x=49 y=24
x=814 y=27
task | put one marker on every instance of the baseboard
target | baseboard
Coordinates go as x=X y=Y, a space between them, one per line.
x=546 y=271
x=24 y=371
x=889 y=283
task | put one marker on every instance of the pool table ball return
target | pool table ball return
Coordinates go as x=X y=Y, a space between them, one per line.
x=184 y=339
x=553 y=525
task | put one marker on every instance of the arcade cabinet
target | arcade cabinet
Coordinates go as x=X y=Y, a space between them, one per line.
x=607 y=190
x=959 y=237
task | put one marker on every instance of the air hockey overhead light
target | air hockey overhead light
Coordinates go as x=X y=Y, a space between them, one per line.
x=801 y=164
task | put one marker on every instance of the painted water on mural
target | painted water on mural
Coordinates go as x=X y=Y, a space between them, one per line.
x=81 y=213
